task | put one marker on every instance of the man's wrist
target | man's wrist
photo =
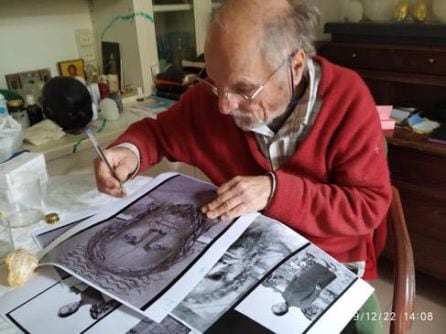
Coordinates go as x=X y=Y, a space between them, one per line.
x=132 y=148
x=273 y=186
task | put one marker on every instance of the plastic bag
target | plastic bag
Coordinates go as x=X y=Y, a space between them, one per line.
x=10 y=137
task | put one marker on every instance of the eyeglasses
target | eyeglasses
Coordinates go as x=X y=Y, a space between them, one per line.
x=240 y=97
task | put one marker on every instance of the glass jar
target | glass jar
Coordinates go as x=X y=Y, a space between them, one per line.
x=18 y=112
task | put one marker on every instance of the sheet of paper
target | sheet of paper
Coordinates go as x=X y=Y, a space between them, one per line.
x=50 y=304
x=399 y=115
x=135 y=250
x=384 y=111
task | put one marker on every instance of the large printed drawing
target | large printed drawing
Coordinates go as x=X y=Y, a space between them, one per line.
x=138 y=252
x=151 y=242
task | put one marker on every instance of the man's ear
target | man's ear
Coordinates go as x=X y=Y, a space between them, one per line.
x=298 y=60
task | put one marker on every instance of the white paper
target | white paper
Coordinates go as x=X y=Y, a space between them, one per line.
x=139 y=289
x=177 y=292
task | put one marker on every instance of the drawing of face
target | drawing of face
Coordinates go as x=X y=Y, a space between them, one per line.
x=150 y=242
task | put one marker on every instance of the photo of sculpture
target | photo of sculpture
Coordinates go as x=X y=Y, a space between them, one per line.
x=299 y=291
x=261 y=247
x=137 y=253
x=99 y=305
x=70 y=306
x=68 y=303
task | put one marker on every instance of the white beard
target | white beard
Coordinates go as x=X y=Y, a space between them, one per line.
x=245 y=120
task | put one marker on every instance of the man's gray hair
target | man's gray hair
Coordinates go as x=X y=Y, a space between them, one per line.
x=291 y=31
x=287 y=31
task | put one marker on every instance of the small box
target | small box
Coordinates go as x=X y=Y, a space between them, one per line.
x=27 y=162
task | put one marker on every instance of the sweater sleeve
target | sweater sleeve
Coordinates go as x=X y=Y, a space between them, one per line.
x=354 y=198
x=171 y=135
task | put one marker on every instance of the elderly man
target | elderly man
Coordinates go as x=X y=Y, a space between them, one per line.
x=277 y=129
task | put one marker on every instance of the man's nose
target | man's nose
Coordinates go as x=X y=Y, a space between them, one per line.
x=227 y=103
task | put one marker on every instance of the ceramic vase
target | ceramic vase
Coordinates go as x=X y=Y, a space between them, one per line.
x=378 y=10
x=439 y=9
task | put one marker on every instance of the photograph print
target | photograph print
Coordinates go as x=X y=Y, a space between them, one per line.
x=298 y=292
x=70 y=306
x=138 y=253
x=263 y=245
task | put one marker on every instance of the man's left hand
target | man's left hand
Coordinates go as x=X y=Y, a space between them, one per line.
x=240 y=195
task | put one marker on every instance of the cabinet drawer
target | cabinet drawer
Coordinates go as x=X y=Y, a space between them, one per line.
x=419 y=61
x=424 y=215
x=429 y=255
x=418 y=169
x=361 y=57
x=386 y=58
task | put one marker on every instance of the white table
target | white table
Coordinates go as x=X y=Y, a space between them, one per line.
x=67 y=195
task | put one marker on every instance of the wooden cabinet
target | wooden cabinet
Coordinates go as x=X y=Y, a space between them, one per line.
x=409 y=74
x=418 y=170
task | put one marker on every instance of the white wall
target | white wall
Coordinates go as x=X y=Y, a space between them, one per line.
x=38 y=34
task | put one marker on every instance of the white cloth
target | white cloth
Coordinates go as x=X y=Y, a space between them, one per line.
x=43 y=132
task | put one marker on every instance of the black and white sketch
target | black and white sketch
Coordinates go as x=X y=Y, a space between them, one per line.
x=262 y=246
x=298 y=292
x=136 y=254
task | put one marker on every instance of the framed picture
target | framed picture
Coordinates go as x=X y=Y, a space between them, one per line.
x=72 y=68
x=111 y=61
x=16 y=81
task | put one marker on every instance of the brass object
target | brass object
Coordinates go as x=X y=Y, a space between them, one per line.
x=419 y=11
x=401 y=11
x=15 y=103
x=52 y=218
x=20 y=264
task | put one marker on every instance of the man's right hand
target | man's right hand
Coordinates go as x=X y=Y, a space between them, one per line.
x=124 y=163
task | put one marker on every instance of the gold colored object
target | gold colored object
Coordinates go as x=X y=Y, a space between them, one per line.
x=52 y=218
x=20 y=264
x=401 y=11
x=15 y=103
x=419 y=11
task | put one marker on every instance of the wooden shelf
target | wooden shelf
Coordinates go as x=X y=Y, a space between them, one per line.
x=172 y=8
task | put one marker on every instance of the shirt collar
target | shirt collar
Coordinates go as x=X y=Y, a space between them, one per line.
x=264 y=129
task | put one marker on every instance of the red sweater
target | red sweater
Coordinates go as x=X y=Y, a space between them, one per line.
x=334 y=190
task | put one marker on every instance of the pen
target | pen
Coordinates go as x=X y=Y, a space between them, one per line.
x=101 y=154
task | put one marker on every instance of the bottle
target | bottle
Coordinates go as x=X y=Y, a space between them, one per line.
x=35 y=114
x=18 y=112
x=3 y=108
x=103 y=87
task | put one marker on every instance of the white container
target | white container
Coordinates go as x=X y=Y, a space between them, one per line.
x=378 y=10
x=109 y=109
x=3 y=107
x=439 y=9
x=354 y=12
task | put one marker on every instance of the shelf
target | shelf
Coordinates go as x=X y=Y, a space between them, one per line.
x=408 y=78
x=390 y=32
x=172 y=8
